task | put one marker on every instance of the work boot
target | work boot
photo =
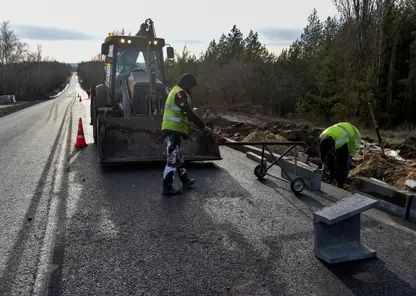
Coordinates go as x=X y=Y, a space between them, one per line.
x=170 y=191
x=168 y=188
x=183 y=176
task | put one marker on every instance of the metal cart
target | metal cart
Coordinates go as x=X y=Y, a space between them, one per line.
x=297 y=184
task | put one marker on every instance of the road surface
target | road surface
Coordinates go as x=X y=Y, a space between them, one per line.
x=81 y=230
x=31 y=142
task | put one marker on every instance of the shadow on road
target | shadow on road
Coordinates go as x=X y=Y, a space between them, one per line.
x=28 y=224
x=371 y=277
x=367 y=277
x=123 y=238
x=311 y=203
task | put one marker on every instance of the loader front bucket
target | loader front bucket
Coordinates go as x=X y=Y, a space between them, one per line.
x=139 y=139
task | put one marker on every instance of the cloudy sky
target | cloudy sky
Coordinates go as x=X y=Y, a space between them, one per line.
x=72 y=31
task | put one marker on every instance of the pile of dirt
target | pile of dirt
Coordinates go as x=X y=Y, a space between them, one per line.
x=234 y=130
x=407 y=148
x=372 y=164
x=259 y=135
x=387 y=169
x=254 y=130
x=290 y=131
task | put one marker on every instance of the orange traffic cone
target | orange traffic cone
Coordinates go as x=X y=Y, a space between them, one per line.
x=80 y=142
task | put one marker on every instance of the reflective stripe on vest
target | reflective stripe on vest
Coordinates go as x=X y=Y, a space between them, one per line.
x=347 y=134
x=334 y=133
x=357 y=140
x=172 y=107
x=173 y=117
x=338 y=134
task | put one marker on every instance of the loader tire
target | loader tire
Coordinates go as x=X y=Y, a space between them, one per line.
x=94 y=131
x=94 y=121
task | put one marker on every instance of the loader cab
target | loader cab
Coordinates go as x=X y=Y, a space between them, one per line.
x=127 y=55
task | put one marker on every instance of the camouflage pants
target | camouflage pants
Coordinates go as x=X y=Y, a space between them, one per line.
x=174 y=156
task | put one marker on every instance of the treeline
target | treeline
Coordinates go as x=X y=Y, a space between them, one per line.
x=331 y=72
x=91 y=73
x=367 y=54
x=25 y=73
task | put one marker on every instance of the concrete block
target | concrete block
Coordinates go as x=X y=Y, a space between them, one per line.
x=254 y=156
x=381 y=190
x=392 y=200
x=312 y=177
x=249 y=148
x=411 y=184
x=337 y=236
x=345 y=208
x=410 y=206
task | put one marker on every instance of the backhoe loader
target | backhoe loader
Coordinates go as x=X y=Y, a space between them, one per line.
x=127 y=109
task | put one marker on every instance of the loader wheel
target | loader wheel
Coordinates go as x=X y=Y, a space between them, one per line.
x=94 y=120
x=94 y=131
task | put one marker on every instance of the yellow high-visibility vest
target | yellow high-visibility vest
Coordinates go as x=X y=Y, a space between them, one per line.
x=173 y=117
x=344 y=133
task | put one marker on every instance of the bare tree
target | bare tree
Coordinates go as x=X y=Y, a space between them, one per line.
x=98 y=57
x=23 y=72
x=12 y=49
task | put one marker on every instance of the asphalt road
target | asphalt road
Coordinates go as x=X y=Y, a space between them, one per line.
x=30 y=146
x=110 y=232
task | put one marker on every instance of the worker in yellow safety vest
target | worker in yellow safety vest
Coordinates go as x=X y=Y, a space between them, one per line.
x=176 y=128
x=339 y=144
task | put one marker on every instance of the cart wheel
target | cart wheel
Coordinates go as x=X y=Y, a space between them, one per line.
x=297 y=185
x=260 y=171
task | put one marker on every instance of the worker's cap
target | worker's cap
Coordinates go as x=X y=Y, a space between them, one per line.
x=187 y=82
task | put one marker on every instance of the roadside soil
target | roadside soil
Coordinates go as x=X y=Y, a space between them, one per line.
x=27 y=101
x=370 y=163
x=11 y=108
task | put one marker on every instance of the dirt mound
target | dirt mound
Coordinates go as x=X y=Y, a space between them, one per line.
x=407 y=148
x=267 y=136
x=264 y=136
x=234 y=130
x=386 y=169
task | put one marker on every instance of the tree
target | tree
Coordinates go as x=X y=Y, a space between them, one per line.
x=98 y=57
x=11 y=49
x=329 y=73
x=24 y=73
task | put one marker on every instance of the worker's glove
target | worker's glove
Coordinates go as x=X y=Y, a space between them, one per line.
x=207 y=130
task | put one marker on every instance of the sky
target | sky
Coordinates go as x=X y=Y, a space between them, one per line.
x=72 y=31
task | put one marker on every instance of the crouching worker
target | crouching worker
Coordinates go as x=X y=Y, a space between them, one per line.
x=176 y=128
x=338 y=145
